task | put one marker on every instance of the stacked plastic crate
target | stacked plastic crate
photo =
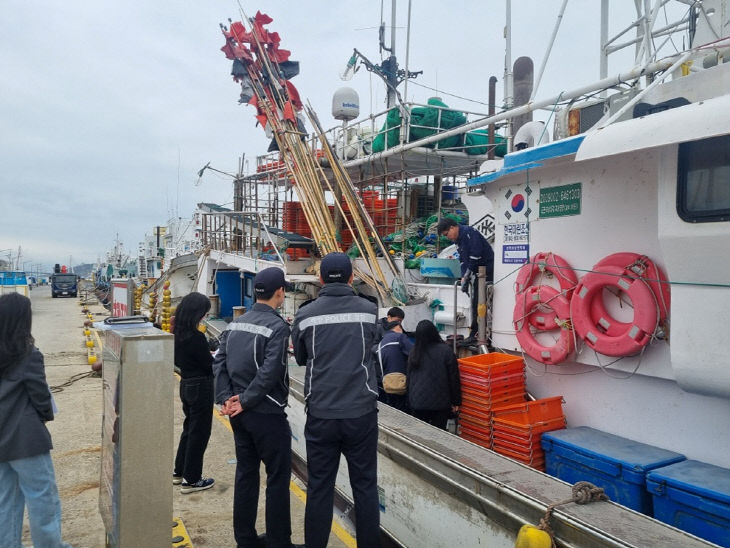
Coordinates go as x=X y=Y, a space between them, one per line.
x=517 y=429
x=488 y=381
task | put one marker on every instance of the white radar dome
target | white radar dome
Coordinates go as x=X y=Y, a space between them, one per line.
x=345 y=104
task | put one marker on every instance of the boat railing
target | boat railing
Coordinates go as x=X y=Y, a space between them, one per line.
x=355 y=140
x=240 y=232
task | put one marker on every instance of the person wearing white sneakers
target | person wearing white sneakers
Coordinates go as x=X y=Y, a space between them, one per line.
x=192 y=357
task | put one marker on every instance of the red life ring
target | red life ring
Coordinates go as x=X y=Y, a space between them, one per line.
x=639 y=266
x=527 y=302
x=627 y=340
x=555 y=265
x=561 y=271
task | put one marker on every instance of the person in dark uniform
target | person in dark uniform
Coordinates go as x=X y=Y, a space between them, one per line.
x=474 y=251
x=392 y=355
x=333 y=336
x=192 y=357
x=252 y=384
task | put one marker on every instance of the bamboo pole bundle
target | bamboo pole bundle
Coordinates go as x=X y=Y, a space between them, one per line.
x=272 y=100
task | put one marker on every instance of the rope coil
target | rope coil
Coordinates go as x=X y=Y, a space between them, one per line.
x=583 y=492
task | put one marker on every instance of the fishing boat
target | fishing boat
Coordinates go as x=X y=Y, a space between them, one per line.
x=609 y=224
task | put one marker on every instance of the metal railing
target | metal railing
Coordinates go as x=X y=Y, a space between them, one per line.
x=239 y=232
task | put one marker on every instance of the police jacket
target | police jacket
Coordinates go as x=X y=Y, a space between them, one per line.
x=252 y=361
x=333 y=336
x=474 y=251
x=393 y=353
x=25 y=405
x=434 y=383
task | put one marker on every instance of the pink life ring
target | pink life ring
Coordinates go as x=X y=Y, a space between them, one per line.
x=614 y=342
x=561 y=271
x=526 y=303
x=552 y=263
x=643 y=268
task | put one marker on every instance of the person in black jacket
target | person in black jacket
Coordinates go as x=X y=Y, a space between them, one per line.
x=193 y=359
x=333 y=336
x=434 y=386
x=27 y=478
x=252 y=384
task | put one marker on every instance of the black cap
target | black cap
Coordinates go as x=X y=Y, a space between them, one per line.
x=336 y=267
x=269 y=280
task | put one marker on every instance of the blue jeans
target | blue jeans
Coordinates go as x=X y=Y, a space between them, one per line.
x=30 y=482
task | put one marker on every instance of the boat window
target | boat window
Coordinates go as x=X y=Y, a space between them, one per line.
x=703 y=185
x=248 y=287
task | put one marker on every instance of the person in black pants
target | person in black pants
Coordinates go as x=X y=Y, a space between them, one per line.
x=434 y=385
x=333 y=336
x=192 y=357
x=252 y=384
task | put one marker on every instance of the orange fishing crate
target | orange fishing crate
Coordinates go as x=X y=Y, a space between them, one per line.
x=492 y=372
x=529 y=434
x=475 y=414
x=527 y=451
x=476 y=429
x=475 y=439
x=487 y=404
x=537 y=463
x=490 y=360
x=531 y=412
x=517 y=429
x=475 y=435
x=495 y=384
x=494 y=395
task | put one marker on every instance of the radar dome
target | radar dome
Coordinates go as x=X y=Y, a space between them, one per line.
x=345 y=104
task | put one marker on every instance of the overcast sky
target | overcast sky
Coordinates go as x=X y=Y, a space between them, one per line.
x=108 y=109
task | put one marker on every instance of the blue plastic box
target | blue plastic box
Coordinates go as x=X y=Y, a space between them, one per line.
x=617 y=464
x=695 y=497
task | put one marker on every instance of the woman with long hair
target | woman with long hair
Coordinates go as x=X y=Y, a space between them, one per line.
x=434 y=386
x=27 y=478
x=193 y=359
